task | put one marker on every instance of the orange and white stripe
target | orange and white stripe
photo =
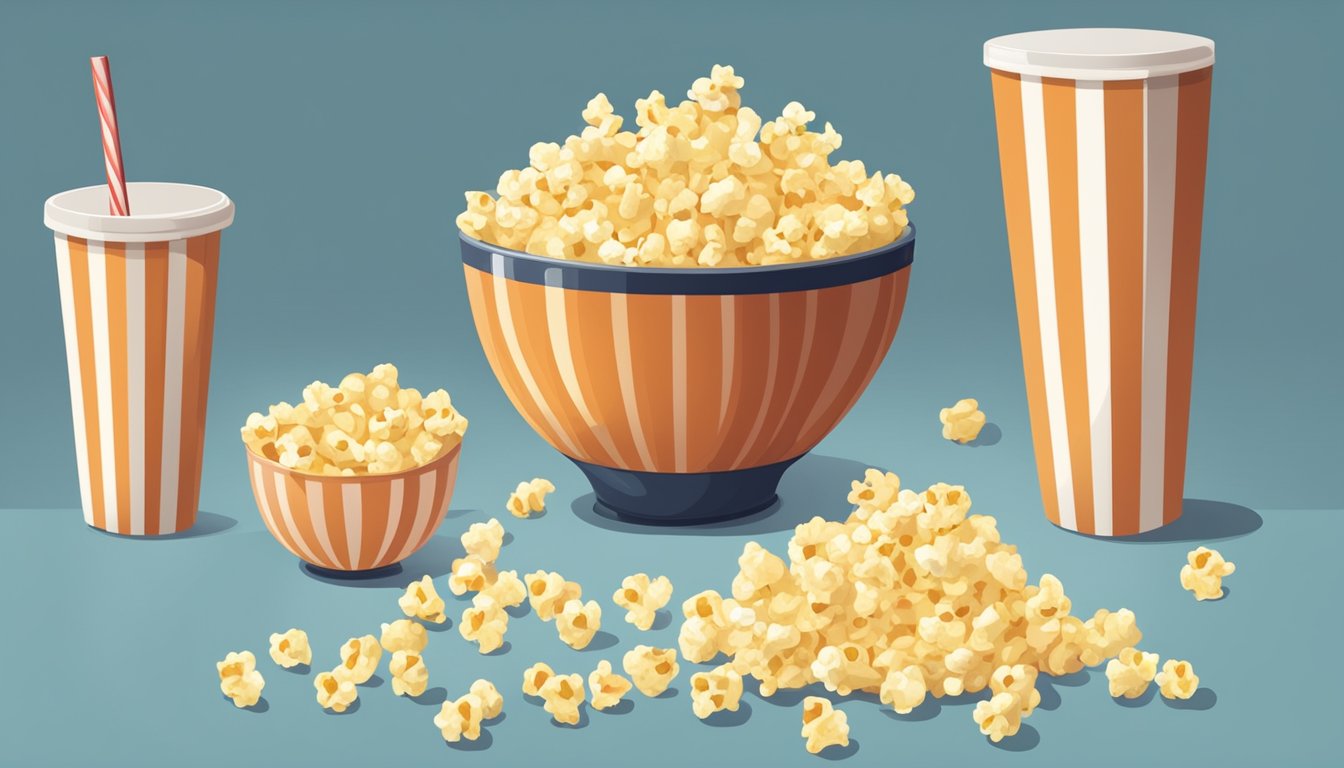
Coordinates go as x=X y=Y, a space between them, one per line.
x=139 y=321
x=353 y=523
x=683 y=383
x=1103 y=185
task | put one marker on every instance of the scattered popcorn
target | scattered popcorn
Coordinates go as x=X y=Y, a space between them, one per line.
x=1177 y=680
x=492 y=701
x=484 y=623
x=335 y=692
x=359 y=659
x=404 y=635
x=641 y=598
x=1020 y=681
x=823 y=725
x=1204 y=573
x=290 y=648
x=536 y=676
x=547 y=591
x=715 y=691
x=460 y=719
x=483 y=540
x=963 y=421
x=529 y=497
x=470 y=574
x=1130 y=673
x=507 y=589
x=239 y=678
x=607 y=687
x=651 y=669
x=701 y=183
x=563 y=695
x=999 y=717
x=909 y=597
x=422 y=601
x=409 y=675
x=368 y=425
x=578 y=622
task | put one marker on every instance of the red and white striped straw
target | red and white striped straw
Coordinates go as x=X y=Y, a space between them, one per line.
x=118 y=204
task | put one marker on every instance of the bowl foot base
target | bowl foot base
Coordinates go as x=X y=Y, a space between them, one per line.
x=665 y=498
x=372 y=573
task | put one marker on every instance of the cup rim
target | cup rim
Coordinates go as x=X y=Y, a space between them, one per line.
x=616 y=278
x=278 y=467
x=80 y=213
x=1099 y=53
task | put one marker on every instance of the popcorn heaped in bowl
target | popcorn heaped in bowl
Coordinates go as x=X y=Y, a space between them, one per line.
x=367 y=425
x=704 y=183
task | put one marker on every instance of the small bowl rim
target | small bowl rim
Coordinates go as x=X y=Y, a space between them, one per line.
x=619 y=278
x=277 y=466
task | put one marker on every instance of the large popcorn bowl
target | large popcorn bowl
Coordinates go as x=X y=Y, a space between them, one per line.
x=346 y=525
x=684 y=394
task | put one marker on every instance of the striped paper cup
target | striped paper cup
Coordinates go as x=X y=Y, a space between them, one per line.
x=138 y=304
x=349 y=524
x=1102 y=142
x=684 y=394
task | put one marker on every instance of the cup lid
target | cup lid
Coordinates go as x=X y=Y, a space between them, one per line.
x=1099 y=53
x=160 y=210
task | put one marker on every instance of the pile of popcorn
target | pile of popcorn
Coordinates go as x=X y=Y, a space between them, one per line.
x=703 y=183
x=366 y=425
x=909 y=597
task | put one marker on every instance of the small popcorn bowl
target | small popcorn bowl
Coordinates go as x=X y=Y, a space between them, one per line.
x=683 y=394
x=353 y=526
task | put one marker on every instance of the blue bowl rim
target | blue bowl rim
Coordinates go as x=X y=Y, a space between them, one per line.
x=609 y=278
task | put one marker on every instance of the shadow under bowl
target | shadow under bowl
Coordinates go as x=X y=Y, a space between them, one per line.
x=358 y=526
x=683 y=394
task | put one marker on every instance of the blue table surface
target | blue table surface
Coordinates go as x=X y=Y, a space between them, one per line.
x=111 y=642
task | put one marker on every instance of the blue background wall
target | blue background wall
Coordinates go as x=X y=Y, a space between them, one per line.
x=346 y=134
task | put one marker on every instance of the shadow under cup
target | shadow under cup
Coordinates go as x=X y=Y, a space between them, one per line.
x=684 y=394
x=137 y=303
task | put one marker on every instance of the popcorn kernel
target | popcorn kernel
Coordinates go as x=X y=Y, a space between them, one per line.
x=239 y=679
x=823 y=725
x=290 y=648
x=962 y=422
x=607 y=687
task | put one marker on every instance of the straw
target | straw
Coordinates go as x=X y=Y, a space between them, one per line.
x=117 y=203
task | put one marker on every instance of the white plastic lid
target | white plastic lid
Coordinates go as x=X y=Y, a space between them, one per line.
x=1099 y=54
x=160 y=211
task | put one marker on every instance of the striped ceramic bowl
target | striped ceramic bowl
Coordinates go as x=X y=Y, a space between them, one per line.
x=684 y=394
x=352 y=524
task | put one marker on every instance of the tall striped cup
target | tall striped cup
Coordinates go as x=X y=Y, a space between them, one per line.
x=138 y=304
x=1102 y=142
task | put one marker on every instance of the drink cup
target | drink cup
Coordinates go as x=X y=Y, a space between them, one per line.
x=138 y=301
x=1102 y=142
